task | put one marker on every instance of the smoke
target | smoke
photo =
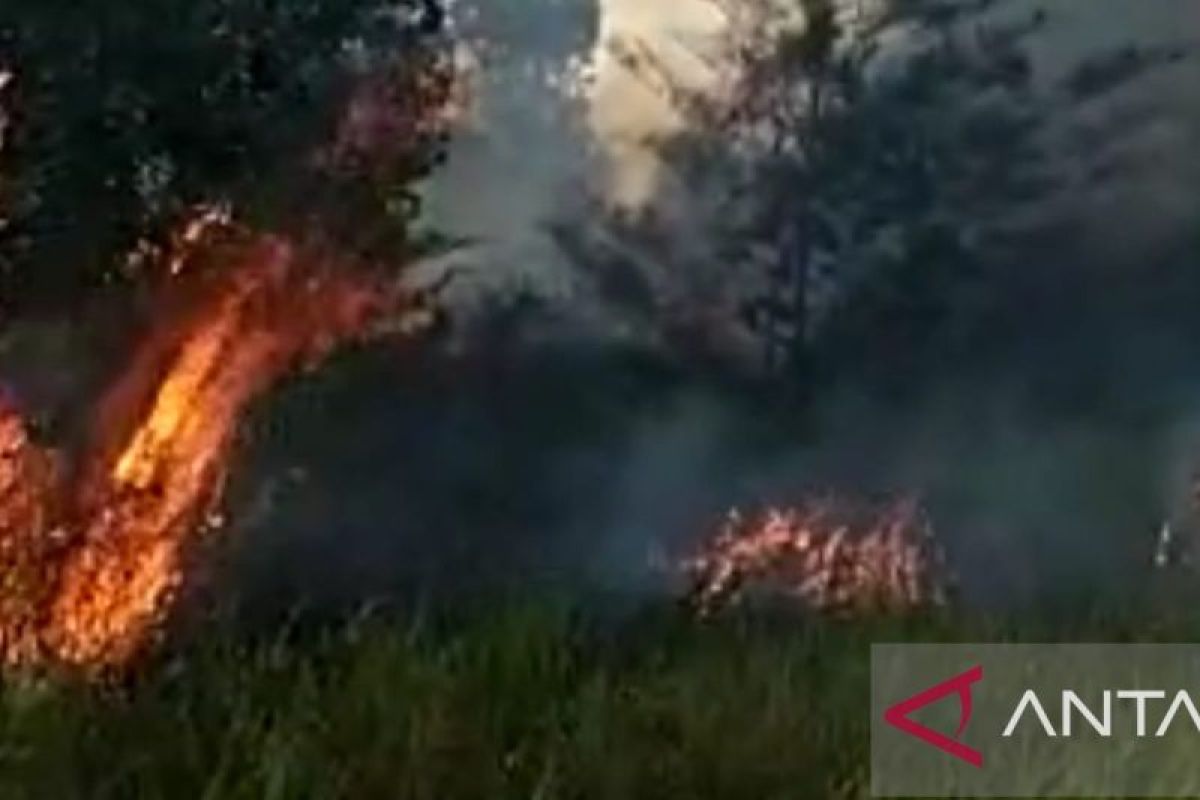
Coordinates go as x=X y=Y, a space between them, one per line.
x=1048 y=464
x=561 y=115
x=674 y=44
x=1155 y=197
x=526 y=147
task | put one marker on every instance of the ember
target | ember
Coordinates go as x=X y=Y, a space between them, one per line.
x=828 y=556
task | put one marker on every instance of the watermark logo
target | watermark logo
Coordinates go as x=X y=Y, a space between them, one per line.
x=1054 y=720
x=899 y=715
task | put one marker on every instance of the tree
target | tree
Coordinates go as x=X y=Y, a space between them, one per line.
x=126 y=115
x=890 y=178
x=877 y=167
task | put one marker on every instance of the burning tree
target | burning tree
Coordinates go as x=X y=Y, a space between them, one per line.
x=92 y=557
x=97 y=540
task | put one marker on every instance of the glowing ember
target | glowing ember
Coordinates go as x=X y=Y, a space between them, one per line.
x=247 y=310
x=827 y=556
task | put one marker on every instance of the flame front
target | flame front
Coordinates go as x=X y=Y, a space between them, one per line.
x=828 y=555
x=91 y=567
x=29 y=479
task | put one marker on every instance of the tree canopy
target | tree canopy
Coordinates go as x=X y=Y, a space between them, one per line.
x=124 y=115
x=871 y=173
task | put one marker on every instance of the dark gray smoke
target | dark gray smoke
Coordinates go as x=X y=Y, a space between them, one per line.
x=1049 y=460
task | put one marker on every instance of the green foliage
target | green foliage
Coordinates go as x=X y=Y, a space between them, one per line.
x=522 y=703
x=528 y=701
x=126 y=114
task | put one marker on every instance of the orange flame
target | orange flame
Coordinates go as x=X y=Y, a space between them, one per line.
x=827 y=555
x=29 y=478
x=249 y=310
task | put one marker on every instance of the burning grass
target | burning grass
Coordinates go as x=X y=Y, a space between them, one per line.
x=828 y=555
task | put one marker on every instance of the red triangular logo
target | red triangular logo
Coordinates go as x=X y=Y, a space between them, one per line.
x=898 y=715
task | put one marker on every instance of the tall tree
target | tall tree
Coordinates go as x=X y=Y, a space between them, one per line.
x=873 y=165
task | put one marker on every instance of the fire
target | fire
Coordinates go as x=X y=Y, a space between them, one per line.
x=826 y=554
x=96 y=560
x=29 y=477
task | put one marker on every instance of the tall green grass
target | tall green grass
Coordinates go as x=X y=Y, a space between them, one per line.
x=521 y=702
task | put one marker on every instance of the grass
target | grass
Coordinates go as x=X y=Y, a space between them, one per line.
x=519 y=702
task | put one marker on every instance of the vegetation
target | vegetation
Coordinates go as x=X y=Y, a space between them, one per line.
x=869 y=184
x=124 y=117
x=870 y=216
x=525 y=702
